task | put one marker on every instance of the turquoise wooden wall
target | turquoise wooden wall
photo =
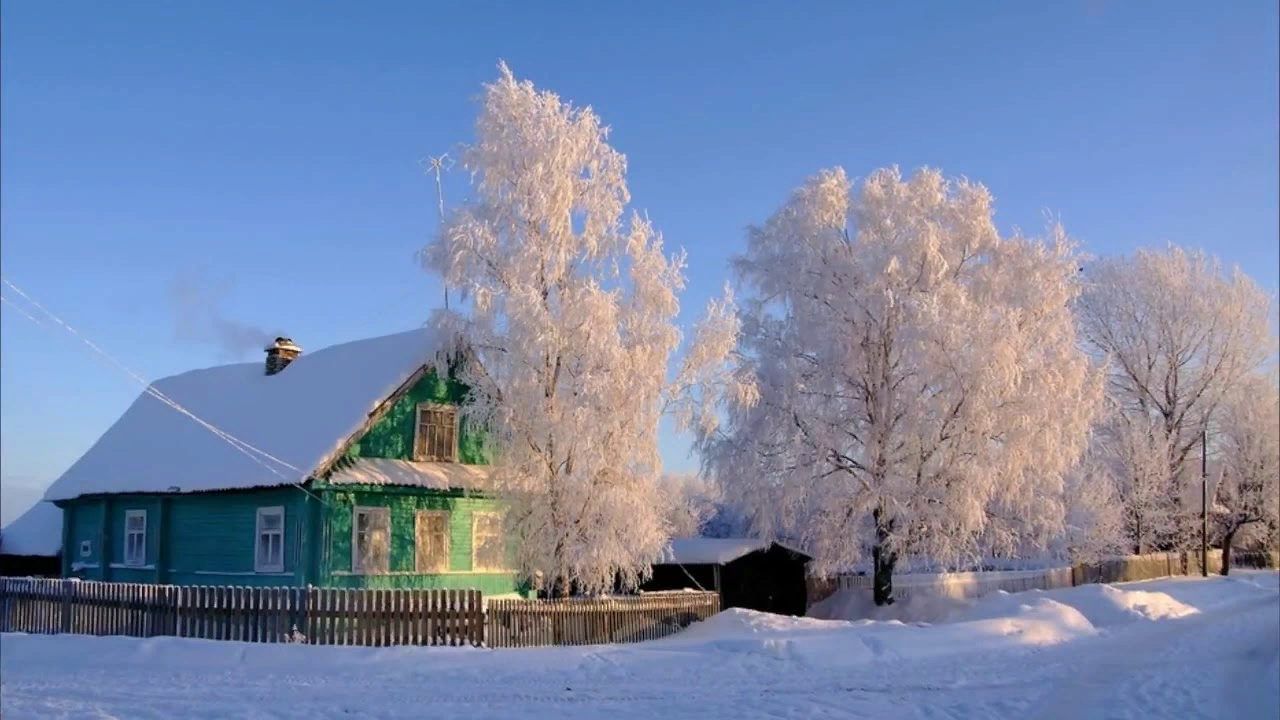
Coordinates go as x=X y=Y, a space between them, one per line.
x=213 y=537
x=192 y=539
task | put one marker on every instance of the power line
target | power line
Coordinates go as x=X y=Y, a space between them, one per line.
x=243 y=447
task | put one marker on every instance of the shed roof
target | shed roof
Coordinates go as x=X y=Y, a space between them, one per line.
x=302 y=415
x=38 y=531
x=713 y=551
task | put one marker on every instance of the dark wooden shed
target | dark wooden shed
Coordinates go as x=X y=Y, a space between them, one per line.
x=30 y=565
x=748 y=573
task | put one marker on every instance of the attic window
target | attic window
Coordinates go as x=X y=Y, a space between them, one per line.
x=435 y=437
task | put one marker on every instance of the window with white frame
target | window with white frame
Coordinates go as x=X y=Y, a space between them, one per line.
x=431 y=541
x=268 y=554
x=135 y=537
x=370 y=540
x=488 y=550
x=435 y=436
x=86 y=548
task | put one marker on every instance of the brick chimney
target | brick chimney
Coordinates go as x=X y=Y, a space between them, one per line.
x=280 y=354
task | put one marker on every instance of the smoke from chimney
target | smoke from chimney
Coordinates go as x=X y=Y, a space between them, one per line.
x=198 y=318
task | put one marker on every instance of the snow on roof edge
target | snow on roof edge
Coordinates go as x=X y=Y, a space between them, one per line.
x=431 y=475
x=38 y=531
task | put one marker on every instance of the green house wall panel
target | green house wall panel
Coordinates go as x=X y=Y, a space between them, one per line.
x=392 y=436
x=83 y=519
x=403 y=504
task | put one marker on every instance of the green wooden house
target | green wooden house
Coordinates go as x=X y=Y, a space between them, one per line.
x=345 y=467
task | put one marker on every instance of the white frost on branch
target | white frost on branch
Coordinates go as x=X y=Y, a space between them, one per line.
x=1247 y=498
x=1178 y=335
x=918 y=386
x=567 y=338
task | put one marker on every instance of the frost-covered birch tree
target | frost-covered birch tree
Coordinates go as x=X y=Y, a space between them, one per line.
x=690 y=501
x=920 y=391
x=1247 y=496
x=1132 y=451
x=1177 y=334
x=566 y=337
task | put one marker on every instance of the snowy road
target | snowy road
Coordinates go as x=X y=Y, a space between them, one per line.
x=1169 y=649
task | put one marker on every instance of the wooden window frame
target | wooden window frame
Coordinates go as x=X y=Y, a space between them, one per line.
x=475 y=522
x=420 y=442
x=129 y=559
x=258 y=565
x=356 y=567
x=418 y=554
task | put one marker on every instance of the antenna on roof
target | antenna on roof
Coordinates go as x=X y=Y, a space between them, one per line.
x=437 y=165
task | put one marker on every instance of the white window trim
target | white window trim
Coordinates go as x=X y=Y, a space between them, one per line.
x=356 y=569
x=417 y=524
x=86 y=548
x=475 y=517
x=139 y=561
x=260 y=567
x=417 y=429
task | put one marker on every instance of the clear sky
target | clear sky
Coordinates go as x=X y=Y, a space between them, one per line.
x=159 y=157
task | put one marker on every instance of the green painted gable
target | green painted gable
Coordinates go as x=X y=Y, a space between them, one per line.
x=392 y=436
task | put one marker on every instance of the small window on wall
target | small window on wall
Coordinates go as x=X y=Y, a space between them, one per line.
x=370 y=540
x=135 y=537
x=488 y=551
x=268 y=553
x=432 y=541
x=435 y=437
x=86 y=548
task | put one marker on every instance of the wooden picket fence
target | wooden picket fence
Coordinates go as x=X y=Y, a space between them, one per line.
x=334 y=616
x=394 y=617
x=323 y=616
x=592 y=621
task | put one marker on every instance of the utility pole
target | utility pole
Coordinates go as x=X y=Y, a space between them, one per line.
x=1204 y=503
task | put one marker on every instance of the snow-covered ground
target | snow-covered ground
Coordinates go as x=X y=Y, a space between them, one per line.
x=1179 y=648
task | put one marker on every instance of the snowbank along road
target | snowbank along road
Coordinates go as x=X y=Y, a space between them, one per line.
x=1179 y=648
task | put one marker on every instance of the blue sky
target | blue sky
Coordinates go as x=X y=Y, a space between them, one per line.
x=265 y=156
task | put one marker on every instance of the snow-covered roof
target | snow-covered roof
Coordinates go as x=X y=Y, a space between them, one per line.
x=711 y=551
x=301 y=415
x=38 y=531
x=434 y=475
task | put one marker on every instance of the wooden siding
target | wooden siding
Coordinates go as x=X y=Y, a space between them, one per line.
x=392 y=436
x=192 y=539
x=404 y=503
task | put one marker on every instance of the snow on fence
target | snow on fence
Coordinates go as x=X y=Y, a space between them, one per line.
x=968 y=585
x=335 y=616
x=590 y=621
